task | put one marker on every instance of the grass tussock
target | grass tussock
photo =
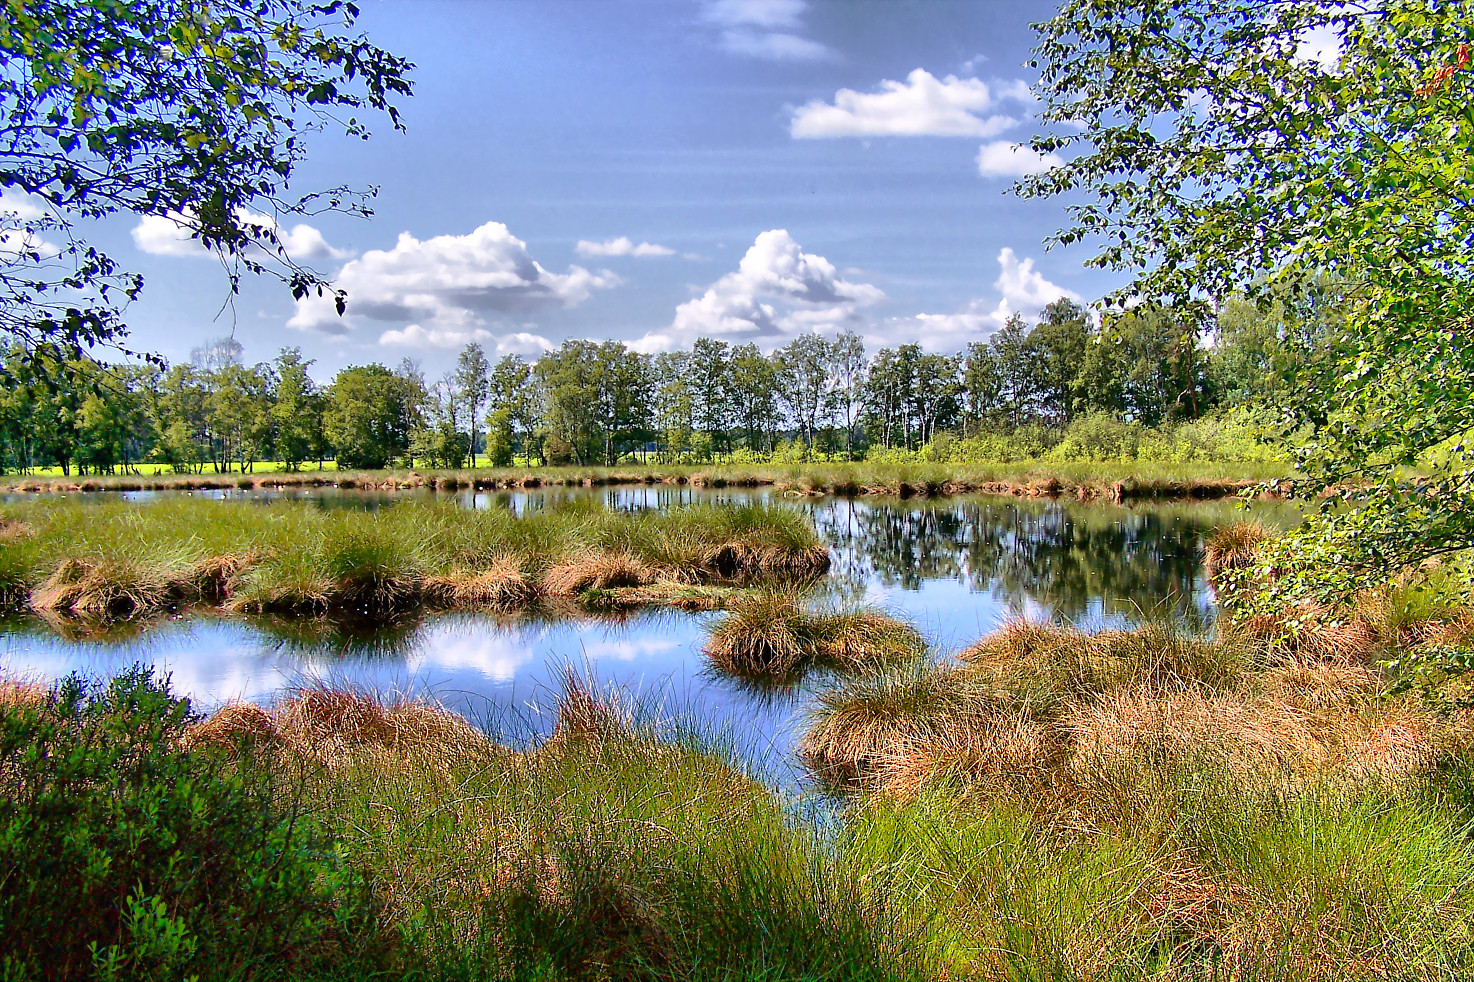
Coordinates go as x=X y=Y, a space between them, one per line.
x=776 y=635
x=415 y=847
x=1080 y=716
x=116 y=560
x=1424 y=607
x=1233 y=547
x=334 y=728
x=600 y=852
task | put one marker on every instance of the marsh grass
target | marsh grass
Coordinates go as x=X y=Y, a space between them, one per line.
x=1086 y=717
x=602 y=851
x=1424 y=607
x=618 y=848
x=1083 y=479
x=115 y=560
x=779 y=634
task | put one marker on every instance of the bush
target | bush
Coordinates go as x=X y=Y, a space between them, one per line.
x=1099 y=436
x=125 y=855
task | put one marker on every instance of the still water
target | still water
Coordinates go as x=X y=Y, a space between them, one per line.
x=955 y=567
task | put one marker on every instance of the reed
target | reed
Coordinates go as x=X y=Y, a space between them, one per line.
x=116 y=560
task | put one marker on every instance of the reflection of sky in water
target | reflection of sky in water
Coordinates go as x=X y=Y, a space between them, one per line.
x=957 y=568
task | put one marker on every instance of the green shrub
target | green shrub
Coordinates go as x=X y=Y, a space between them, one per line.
x=1099 y=437
x=124 y=855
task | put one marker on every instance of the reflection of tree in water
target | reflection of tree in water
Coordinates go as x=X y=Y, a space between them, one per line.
x=1079 y=560
x=901 y=544
x=1071 y=560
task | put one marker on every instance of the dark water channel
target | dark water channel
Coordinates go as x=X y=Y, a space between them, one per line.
x=955 y=567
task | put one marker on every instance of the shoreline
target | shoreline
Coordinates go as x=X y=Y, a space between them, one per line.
x=1108 y=484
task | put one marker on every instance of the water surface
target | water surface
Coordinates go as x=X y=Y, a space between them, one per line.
x=955 y=567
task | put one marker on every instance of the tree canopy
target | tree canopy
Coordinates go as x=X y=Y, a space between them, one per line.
x=1300 y=151
x=196 y=110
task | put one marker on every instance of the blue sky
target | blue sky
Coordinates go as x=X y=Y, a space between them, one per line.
x=655 y=170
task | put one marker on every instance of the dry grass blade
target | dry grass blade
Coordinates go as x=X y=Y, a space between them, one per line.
x=597 y=571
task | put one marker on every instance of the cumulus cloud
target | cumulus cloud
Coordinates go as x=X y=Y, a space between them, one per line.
x=621 y=246
x=18 y=206
x=923 y=105
x=170 y=235
x=777 y=290
x=446 y=284
x=452 y=338
x=1022 y=290
x=21 y=218
x=1003 y=159
x=765 y=29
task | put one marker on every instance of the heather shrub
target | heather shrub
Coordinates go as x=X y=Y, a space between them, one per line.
x=125 y=855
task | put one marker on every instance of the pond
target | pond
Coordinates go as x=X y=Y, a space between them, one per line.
x=955 y=567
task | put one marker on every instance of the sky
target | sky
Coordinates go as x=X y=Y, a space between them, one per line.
x=653 y=171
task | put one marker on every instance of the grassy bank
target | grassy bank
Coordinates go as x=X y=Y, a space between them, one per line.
x=1120 y=481
x=1164 y=846
x=117 y=560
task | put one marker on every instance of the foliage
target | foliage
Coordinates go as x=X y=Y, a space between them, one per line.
x=125 y=856
x=594 y=404
x=370 y=414
x=196 y=112
x=1218 y=148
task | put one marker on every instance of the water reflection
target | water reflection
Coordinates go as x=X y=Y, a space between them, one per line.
x=956 y=567
x=1081 y=563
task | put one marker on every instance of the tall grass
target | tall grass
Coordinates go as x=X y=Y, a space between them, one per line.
x=115 y=558
x=608 y=851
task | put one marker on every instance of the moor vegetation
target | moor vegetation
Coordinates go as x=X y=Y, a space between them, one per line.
x=117 y=560
x=1051 y=805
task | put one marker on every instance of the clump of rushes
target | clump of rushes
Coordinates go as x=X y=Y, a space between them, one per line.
x=1233 y=547
x=600 y=852
x=1091 y=717
x=117 y=560
x=775 y=635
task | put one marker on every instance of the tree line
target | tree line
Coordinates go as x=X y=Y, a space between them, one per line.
x=592 y=402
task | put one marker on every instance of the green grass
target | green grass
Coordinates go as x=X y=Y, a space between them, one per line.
x=116 y=559
x=1129 y=479
x=619 y=849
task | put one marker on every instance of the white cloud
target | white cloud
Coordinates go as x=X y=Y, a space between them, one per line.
x=170 y=235
x=923 y=105
x=1024 y=289
x=765 y=29
x=756 y=13
x=452 y=338
x=18 y=206
x=777 y=290
x=446 y=284
x=22 y=217
x=773 y=46
x=1003 y=159
x=160 y=236
x=621 y=246
x=1021 y=290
